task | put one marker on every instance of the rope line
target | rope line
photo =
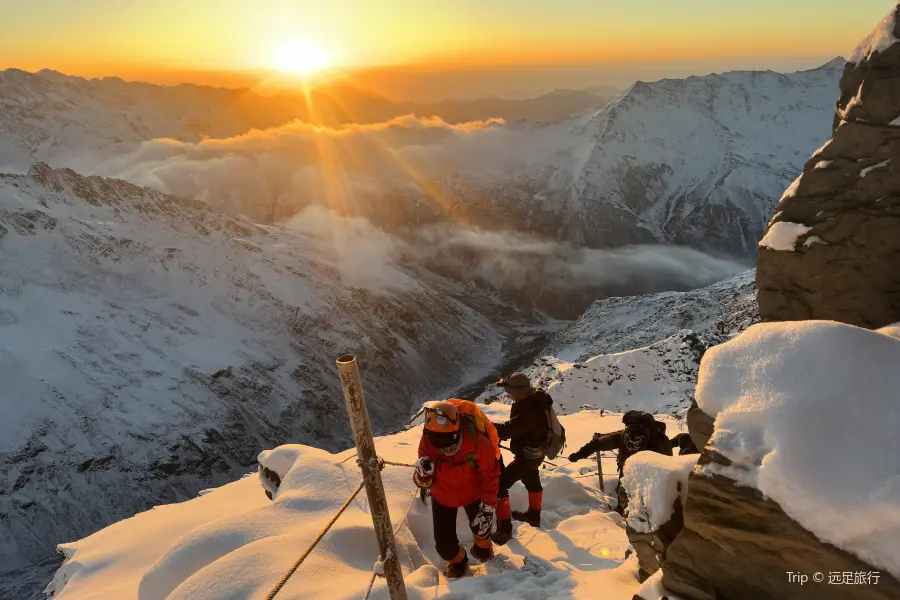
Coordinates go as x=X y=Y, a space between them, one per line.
x=869 y=124
x=396 y=531
x=316 y=541
x=397 y=464
x=404 y=427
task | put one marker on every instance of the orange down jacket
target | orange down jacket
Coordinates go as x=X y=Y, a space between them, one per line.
x=472 y=473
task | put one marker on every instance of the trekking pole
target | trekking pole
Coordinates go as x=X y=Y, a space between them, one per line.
x=371 y=471
x=555 y=466
x=600 y=472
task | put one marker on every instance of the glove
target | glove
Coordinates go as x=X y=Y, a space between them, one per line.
x=424 y=475
x=575 y=457
x=481 y=524
x=423 y=493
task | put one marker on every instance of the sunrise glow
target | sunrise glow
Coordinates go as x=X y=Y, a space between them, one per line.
x=300 y=59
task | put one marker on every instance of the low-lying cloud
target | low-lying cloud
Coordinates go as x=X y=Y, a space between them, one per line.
x=273 y=174
x=561 y=279
x=333 y=182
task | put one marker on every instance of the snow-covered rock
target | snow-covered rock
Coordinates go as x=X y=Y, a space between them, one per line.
x=234 y=543
x=653 y=482
x=786 y=394
x=656 y=487
x=783 y=236
x=150 y=347
x=784 y=484
x=882 y=37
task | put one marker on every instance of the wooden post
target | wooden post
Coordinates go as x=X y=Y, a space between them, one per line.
x=600 y=472
x=368 y=464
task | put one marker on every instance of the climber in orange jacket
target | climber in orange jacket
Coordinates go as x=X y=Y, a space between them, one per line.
x=458 y=465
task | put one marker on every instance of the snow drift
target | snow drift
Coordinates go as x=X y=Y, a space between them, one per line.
x=807 y=413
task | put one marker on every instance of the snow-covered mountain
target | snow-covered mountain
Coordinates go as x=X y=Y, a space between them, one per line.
x=700 y=161
x=714 y=313
x=150 y=346
x=641 y=352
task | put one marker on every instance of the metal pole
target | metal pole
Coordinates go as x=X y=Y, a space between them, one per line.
x=368 y=464
x=600 y=472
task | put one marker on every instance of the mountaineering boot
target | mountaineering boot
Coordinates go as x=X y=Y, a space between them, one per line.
x=504 y=524
x=503 y=533
x=533 y=515
x=455 y=570
x=482 y=549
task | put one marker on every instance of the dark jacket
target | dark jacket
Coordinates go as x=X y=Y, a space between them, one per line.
x=613 y=441
x=527 y=425
x=684 y=444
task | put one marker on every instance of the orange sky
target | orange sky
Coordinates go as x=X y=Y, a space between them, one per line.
x=214 y=40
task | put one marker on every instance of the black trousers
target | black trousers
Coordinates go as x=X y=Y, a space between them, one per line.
x=443 y=518
x=526 y=470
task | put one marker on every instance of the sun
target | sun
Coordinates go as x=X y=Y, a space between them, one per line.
x=300 y=59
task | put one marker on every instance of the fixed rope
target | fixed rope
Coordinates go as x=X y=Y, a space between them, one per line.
x=547 y=462
x=316 y=541
x=404 y=427
x=396 y=531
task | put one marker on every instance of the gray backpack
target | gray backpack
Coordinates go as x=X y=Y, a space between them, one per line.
x=556 y=435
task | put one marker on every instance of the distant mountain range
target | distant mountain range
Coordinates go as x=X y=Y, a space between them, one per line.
x=56 y=118
x=700 y=161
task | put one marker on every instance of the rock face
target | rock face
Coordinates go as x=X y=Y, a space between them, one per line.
x=738 y=545
x=651 y=547
x=832 y=251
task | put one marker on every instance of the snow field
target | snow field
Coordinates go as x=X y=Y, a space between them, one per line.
x=807 y=413
x=233 y=543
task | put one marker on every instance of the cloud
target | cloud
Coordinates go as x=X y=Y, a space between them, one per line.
x=273 y=174
x=559 y=278
x=333 y=183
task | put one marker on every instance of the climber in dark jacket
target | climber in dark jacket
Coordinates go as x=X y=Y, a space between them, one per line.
x=684 y=443
x=642 y=432
x=527 y=430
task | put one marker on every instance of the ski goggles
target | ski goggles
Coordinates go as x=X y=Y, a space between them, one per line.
x=440 y=420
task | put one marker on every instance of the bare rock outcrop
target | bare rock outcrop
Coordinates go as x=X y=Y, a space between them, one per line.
x=832 y=250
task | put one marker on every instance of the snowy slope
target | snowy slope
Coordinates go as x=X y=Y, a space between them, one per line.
x=659 y=378
x=71 y=121
x=149 y=347
x=641 y=352
x=233 y=543
x=618 y=324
